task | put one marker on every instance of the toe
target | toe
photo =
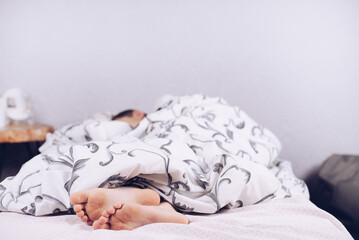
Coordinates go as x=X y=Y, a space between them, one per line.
x=110 y=211
x=118 y=205
x=80 y=214
x=79 y=197
x=105 y=214
x=101 y=224
x=85 y=219
x=78 y=207
x=103 y=220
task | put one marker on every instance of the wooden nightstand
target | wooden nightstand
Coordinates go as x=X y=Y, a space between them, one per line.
x=22 y=133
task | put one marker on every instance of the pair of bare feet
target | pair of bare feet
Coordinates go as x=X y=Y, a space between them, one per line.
x=123 y=208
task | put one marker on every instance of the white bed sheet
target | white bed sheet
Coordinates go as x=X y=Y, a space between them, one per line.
x=290 y=218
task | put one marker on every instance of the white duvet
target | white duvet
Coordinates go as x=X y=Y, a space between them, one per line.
x=198 y=153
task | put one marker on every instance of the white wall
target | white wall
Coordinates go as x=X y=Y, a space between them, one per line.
x=291 y=65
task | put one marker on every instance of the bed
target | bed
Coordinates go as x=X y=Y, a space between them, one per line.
x=290 y=218
x=201 y=154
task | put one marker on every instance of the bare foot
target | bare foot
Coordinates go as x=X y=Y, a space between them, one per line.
x=128 y=216
x=89 y=205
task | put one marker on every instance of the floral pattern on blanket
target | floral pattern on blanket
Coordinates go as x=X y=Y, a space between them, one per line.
x=198 y=153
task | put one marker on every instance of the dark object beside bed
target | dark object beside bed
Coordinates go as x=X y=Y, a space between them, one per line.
x=337 y=189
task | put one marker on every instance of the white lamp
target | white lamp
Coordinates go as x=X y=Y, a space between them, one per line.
x=3 y=118
x=14 y=105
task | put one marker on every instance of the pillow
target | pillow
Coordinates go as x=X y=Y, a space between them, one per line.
x=107 y=130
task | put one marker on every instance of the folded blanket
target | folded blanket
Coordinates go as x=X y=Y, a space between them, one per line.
x=198 y=153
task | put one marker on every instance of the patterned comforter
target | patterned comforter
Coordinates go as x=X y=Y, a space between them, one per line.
x=199 y=153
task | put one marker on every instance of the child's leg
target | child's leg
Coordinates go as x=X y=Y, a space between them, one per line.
x=90 y=204
x=127 y=216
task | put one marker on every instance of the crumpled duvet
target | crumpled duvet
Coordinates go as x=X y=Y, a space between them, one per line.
x=199 y=153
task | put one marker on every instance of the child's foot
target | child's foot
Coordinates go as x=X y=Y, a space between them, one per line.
x=89 y=205
x=128 y=216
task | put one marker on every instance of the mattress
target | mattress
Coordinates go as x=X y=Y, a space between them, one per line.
x=289 y=218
